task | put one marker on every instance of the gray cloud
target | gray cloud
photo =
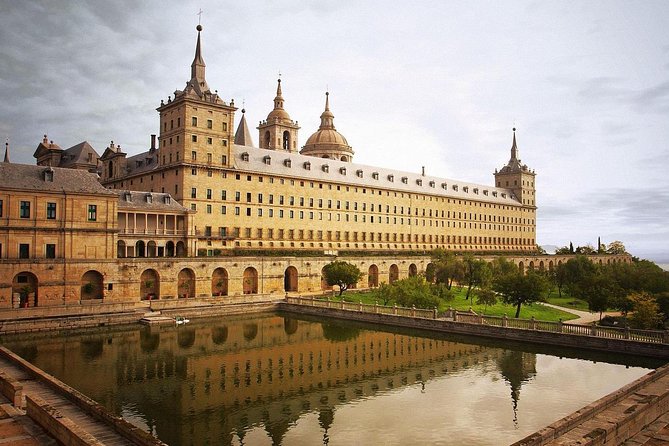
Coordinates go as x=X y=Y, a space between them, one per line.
x=649 y=99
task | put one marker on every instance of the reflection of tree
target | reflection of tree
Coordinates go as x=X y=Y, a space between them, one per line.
x=339 y=333
x=186 y=338
x=277 y=428
x=517 y=368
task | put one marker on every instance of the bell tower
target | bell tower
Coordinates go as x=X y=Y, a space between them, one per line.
x=278 y=131
x=518 y=178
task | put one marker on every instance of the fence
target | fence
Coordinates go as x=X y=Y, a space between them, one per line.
x=648 y=336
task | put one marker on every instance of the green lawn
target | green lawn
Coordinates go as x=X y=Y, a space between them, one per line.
x=567 y=301
x=540 y=312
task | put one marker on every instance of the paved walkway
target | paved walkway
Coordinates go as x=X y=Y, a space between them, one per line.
x=103 y=432
x=584 y=317
x=19 y=430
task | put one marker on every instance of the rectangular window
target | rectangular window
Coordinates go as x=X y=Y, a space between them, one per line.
x=208 y=194
x=193 y=138
x=24 y=251
x=238 y=196
x=24 y=211
x=210 y=141
x=193 y=207
x=237 y=210
x=50 y=251
x=210 y=124
x=193 y=155
x=208 y=209
x=224 y=195
x=259 y=198
x=193 y=192
x=248 y=212
x=225 y=126
x=92 y=212
x=194 y=121
x=0 y=208
x=51 y=211
x=248 y=197
x=224 y=210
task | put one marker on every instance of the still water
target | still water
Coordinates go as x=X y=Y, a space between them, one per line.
x=281 y=379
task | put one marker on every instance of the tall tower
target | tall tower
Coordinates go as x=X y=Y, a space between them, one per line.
x=518 y=178
x=327 y=142
x=278 y=131
x=196 y=127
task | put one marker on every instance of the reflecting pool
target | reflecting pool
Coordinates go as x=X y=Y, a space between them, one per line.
x=282 y=379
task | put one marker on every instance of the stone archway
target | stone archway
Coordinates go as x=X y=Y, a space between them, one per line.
x=181 y=249
x=151 y=249
x=120 y=249
x=140 y=249
x=394 y=273
x=250 y=278
x=186 y=283
x=413 y=270
x=92 y=286
x=169 y=249
x=25 y=289
x=373 y=276
x=521 y=267
x=149 y=285
x=219 y=282
x=290 y=279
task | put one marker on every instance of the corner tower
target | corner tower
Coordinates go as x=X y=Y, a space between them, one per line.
x=278 y=131
x=196 y=126
x=327 y=142
x=518 y=178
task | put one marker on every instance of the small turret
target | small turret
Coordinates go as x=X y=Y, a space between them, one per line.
x=517 y=177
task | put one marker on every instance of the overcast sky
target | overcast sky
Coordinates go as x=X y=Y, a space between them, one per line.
x=439 y=84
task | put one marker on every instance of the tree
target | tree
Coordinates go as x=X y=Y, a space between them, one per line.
x=341 y=274
x=586 y=250
x=414 y=291
x=616 y=247
x=486 y=296
x=560 y=277
x=563 y=250
x=447 y=268
x=646 y=311
x=518 y=289
x=540 y=249
x=571 y=248
x=476 y=273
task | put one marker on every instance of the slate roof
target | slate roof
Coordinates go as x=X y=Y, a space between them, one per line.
x=32 y=178
x=78 y=154
x=349 y=173
x=158 y=201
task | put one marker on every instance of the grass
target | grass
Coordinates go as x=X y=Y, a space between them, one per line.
x=540 y=312
x=567 y=301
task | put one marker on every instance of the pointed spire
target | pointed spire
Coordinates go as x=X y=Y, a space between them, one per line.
x=243 y=135
x=278 y=100
x=197 y=68
x=327 y=118
x=514 y=147
x=6 y=160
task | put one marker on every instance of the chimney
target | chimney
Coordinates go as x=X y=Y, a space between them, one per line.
x=153 y=142
x=423 y=170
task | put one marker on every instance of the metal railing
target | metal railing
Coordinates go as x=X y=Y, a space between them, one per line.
x=649 y=336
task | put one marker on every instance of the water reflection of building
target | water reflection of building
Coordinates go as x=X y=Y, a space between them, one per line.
x=220 y=379
x=517 y=368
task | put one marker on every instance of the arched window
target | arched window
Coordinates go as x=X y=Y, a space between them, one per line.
x=267 y=139
x=286 y=140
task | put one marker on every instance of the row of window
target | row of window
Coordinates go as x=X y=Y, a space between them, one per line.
x=210 y=124
x=346 y=205
x=23 y=251
x=24 y=210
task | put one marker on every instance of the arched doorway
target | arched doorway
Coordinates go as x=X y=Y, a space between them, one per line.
x=25 y=287
x=219 y=282
x=149 y=285
x=531 y=265
x=394 y=273
x=413 y=270
x=250 y=284
x=542 y=267
x=151 y=249
x=324 y=283
x=181 y=249
x=373 y=276
x=186 y=283
x=521 y=267
x=169 y=249
x=290 y=279
x=91 y=285
x=140 y=249
x=120 y=249
x=550 y=265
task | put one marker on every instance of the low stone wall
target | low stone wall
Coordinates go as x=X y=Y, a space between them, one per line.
x=505 y=333
x=129 y=431
x=58 y=426
x=67 y=322
x=190 y=303
x=12 y=390
x=86 y=308
x=612 y=430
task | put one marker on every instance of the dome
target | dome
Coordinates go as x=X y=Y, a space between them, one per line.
x=327 y=142
x=278 y=113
